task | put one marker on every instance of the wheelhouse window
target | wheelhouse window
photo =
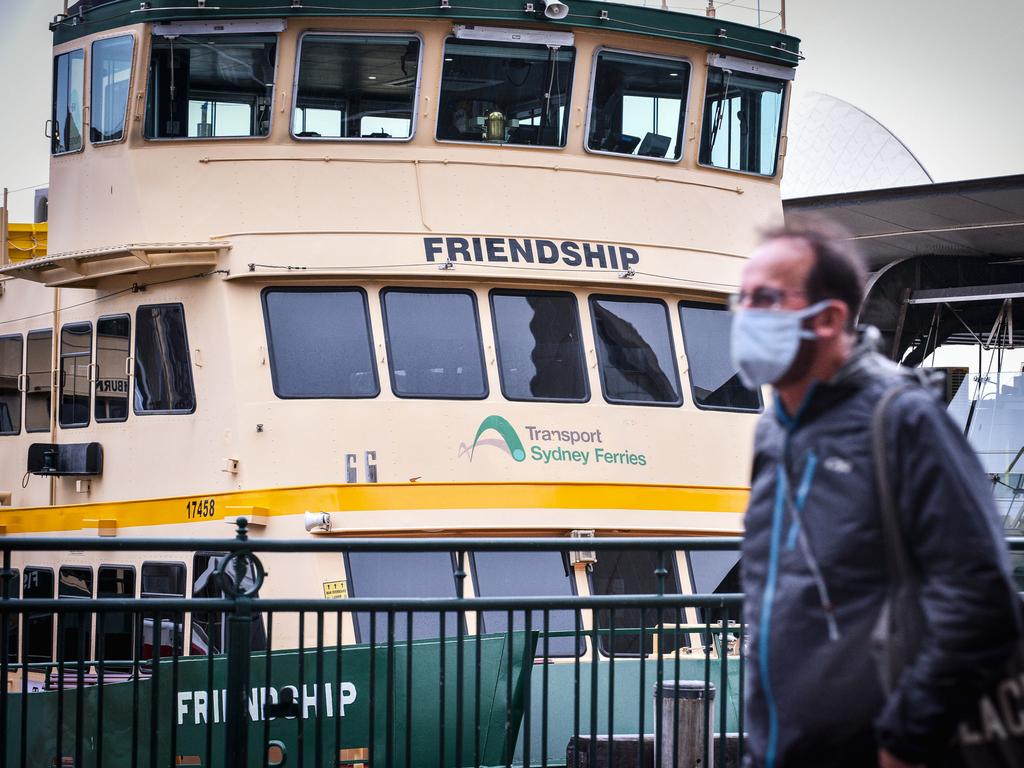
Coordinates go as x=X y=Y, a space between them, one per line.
x=356 y=87
x=634 y=573
x=434 y=347
x=38 y=367
x=115 y=632
x=110 y=80
x=528 y=574
x=164 y=629
x=75 y=640
x=742 y=121
x=68 y=92
x=204 y=86
x=163 y=369
x=11 y=348
x=320 y=343
x=75 y=360
x=540 y=355
x=38 y=640
x=638 y=105
x=112 y=348
x=714 y=382
x=401 y=574
x=635 y=352
x=505 y=93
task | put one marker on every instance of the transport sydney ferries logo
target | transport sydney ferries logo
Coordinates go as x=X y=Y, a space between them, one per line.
x=548 y=446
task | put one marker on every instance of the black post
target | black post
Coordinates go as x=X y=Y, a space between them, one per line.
x=236 y=748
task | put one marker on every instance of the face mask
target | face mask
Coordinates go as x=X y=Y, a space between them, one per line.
x=765 y=341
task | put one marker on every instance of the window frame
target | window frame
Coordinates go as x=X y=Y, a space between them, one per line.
x=131 y=82
x=96 y=361
x=273 y=100
x=86 y=84
x=479 y=338
x=783 y=110
x=497 y=344
x=60 y=383
x=714 y=306
x=320 y=289
x=39 y=333
x=135 y=360
x=628 y=298
x=131 y=617
x=494 y=144
x=84 y=618
x=50 y=618
x=684 y=112
x=414 y=123
x=17 y=383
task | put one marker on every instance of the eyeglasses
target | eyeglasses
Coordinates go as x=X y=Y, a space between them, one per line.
x=764 y=297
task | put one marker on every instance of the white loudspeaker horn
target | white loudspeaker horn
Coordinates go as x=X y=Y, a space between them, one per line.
x=318 y=522
x=555 y=9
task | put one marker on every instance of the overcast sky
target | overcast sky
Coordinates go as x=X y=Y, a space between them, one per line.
x=944 y=75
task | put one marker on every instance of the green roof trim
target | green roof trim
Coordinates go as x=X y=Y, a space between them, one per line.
x=719 y=35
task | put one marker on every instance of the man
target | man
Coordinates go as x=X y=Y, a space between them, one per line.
x=813 y=557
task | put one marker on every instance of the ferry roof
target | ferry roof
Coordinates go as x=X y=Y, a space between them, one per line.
x=88 y=17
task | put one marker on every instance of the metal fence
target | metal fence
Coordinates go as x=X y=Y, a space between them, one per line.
x=615 y=679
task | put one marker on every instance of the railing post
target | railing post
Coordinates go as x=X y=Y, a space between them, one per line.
x=6 y=575
x=236 y=748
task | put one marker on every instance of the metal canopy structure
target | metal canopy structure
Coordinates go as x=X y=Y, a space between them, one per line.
x=947 y=261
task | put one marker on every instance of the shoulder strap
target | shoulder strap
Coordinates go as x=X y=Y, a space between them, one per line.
x=895 y=551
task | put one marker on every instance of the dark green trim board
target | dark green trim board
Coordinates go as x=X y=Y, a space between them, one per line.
x=724 y=36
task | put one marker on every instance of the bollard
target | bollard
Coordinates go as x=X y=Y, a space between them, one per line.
x=684 y=742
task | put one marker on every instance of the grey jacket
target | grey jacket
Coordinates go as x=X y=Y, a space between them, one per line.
x=815 y=581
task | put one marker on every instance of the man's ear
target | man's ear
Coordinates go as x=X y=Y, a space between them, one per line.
x=831 y=321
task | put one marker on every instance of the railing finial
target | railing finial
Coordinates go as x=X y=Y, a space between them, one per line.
x=242 y=529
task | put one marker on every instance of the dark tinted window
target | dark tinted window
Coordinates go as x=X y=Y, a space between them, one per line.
x=38 y=640
x=38 y=366
x=10 y=393
x=163 y=369
x=320 y=344
x=714 y=573
x=210 y=630
x=13 y=590
x=74 y=643
x=68 y=95
x=633 y=573
x=115 y=632
x=356 y=87
x=434 y=344
x=112 y=349
x=75 y=357
x=714 y=381
x=527 y=574
x=742 y=121
x=402 y=574
x=638 y=105
x=634 y=348
x=210 y=86
x=540 y=355
x=505 y=93
x=163 y=580
x=111 y=77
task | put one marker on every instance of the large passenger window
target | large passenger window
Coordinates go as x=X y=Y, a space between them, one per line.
x=68 y=92
x=714 y=382
x=111 y=78
x=505 y=93
x=75 y=641
x=356 y=87
x=112 y=349
x=10 y=390
x=204 y=86
x=402 y=574
x=638 y=105
x=115 y=632
x=38 y=640
x=163 y=580
x=742 y=121
x=528 y=574
x=163 y=368
x=320 y=343
x=714 y=573
x=635 y=352
x=434 y=344
x=210 y=630
x=39 y=367
x=75 y=359
x=540 y=355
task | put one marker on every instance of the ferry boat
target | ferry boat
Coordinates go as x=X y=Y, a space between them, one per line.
x=400 y=269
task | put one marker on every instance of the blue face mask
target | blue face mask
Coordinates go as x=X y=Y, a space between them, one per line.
x=765 y=341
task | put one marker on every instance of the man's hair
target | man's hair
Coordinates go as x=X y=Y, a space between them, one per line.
x=838 y=271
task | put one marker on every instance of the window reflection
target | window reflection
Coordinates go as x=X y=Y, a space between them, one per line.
x=714 y=381
x=10 y=393
x=111 y=77
x=163 y=369
x=742 y=121
x=68 y=92
x=38 y=366
x=75 y=357
x=75 y=640
x=112 y=346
